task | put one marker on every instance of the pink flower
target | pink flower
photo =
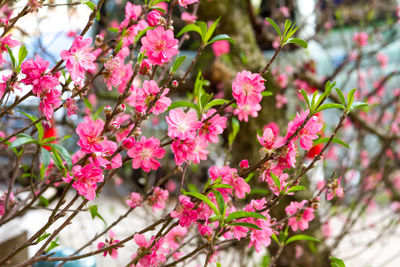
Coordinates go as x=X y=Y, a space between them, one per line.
x=383 y=59
x=112 y=73
x=281 y=100
x=112 y=251
x=185 y=212
x=261 y=238
x=188 y=18
x=360 y=38
x=230 y=176
x=244 y=110
x=247 y=87
x=175 y=237
x=268 y=139
x=213 y=127
x=182 y=125
x=335 y=190
x=132 y=12
x=50 y=100
x=103 y=158
x=90 y=139
x=308 y=132
x=301 y=219
x=158 y=198
x=153 y=18
x=78 y=58
x=182 y=150
x=3 y=42
x=244 y=164
x=199 y=151
x=3 y=202
x=85 y=179
x=145 y=153
x=135 y=200
x=220 y=48
x=147 y=94
x=71 y=107
x=184 y=3
x=160 y=45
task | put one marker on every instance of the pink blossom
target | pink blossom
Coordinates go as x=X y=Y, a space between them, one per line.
x=158 y=198
x=188 y=18
x=85 y=179
x=135 y=200
x=281 y=100
x=230 y=176
x=199 y=151
x=79 y=58
x=71 y=107
x=360 y=38
x=244 y=110
x=220 y=48
x=175 y=237
x=182 y=125
x=335 y=190
x=184 y=3
x=383 y=59
x=268 y=139
x=3 y=202
x=108 y=242
x=213 y=127
x=132 y=12
x=301 y=219
x=147 y=94
x=182 y=150
x=103 y=158
x=244 y=164
x=185 y=212
x=90 y=139
x=3 y=42
x=112 y=73
x=153 y=18
x=308 y=132
x=145 y=153
x=160 y=45
x=247 y=87
x=261 y=238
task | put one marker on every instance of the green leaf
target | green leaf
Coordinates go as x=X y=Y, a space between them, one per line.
x=341 y=96
x=266 y=93
x=178 y=62
x=259 y=191
x=203 y=29
x=244 y=214
x=94 y=213
x=179 y=104
x=335 y=262
x=48 y=140
x=275 y=26
x=57 y=160
x=220 y=201
x=38 y=125
x=235 y=130
x=45 y=157
x=52 y=245
x=301 y=237
x=97 y=113
x=215 y=186
x=91 y=5
x=273 y=236
x=245 y=224
x=297 y=41
x=358 y=105
x=22 y=141
x=296 y=188
x=190 y=28
x=11 y=56
x=329 y=106
x=219 y=264
x=113 y=30
x=205 y=200
x=204 y=99
x=350 y=98
x=215 y=102
x=121 y=41
x=211 y=30
x=277 y=181
x=221 y=37
x=305 y=96
x=44 y=201
x=22 y=55
x=334 y=140
x=43 y=237
x=63 y=152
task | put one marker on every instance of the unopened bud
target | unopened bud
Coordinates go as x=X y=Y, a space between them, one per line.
x=108 y=110
x=174 y=84
x=114 y=126
x=145 y=67
x=121 y=108
x=153 y=18
x=161 y=21
x=137 y=132
x=171 y=28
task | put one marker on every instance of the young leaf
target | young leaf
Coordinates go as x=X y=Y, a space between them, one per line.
x=335 y=262
x=305 y=96
x=266 y=93
x=22 y=141
x=297 y=41
x=329 y=106
x=245 y=224
x=44 y=201
x=244 y=214
x=11 y=56
x=203 y=29
x=215 y=102
x=57 y=160
x=277 y=181
x=94 y=213
x=178 y=104
x=222 y=37
x=190 y=28
x=358 y=105
x=63 y=152
x=205 y=200
x=301 y=237
x=220 y=201
x=43 y=237
x=52 y=245
x=215 y=186
x=38 y=125
x=235 y=130
x=275 y=27
x=22 y=55
x=334 y=140
x=211 y=30
x=341 y=96
x=350 y=98
x=296 y=188
x=178 y=62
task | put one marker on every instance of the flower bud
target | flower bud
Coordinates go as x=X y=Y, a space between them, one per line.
x=137 y=132
x=145 y=67
x=244 y=164
x=129 y=142
x=174 y=84
x=161 y=20
x=114 y=125
x=121 y=108
x=108 y=110
x=171 y=28
x=153 y=18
